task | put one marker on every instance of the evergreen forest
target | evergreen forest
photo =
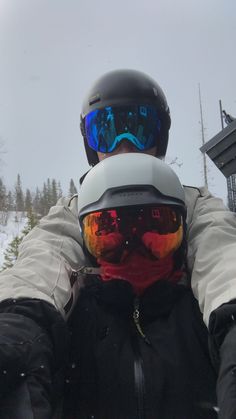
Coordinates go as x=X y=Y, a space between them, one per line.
x=29 y=204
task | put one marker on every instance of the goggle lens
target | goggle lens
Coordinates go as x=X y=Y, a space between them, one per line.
x=106 y=128
x=108 y=233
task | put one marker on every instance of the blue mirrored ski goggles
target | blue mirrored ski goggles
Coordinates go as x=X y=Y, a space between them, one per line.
x=106 y=128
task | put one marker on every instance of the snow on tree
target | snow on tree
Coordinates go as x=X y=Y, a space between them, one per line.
x=11 y=253
x=37 y=202
x=28 y=201
x=12 y=250
x=49 y=193
x=3 y=203
x=73 y=189
x=32 y=221
x=19 y=196
x=17 y=203
x=54 y=192
x=59 y=190
x=10 y=202
x=3 y=196
x=44 y=204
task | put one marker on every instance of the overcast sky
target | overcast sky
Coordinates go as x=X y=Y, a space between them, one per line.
x=52 y=50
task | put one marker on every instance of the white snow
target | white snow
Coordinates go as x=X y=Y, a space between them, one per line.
x=14 y=225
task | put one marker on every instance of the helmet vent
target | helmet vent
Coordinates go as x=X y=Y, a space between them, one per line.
x=94 y=99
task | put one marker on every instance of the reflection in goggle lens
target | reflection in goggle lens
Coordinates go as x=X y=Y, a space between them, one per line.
x=158 y=228
x=106 y=128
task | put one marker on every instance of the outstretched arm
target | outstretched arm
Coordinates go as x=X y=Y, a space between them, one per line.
x=211 y=239
x=36 y=296
x=48 y=259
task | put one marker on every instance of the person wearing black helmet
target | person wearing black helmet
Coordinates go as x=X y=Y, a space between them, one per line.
x=125 y=105
x=127 y=111
x=47 y=277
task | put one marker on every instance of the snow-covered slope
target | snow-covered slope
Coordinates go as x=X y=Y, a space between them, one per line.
x=15 y=222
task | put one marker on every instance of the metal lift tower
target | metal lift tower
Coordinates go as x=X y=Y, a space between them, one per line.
x=222 y=151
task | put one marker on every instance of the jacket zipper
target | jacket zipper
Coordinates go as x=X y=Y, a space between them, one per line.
x=137 y=323
x=139 y=380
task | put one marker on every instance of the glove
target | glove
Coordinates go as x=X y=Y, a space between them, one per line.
x=29 y=359
x=226 y=384
x=25 y=355
x=222 y=345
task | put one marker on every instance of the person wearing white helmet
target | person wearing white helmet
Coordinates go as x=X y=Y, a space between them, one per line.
x=125 y=111
x=139 y=346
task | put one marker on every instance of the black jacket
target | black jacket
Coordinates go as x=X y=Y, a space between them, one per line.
x=141 y=358
x=129 y=358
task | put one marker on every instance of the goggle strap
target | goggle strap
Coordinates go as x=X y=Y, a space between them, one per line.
x=89 y=270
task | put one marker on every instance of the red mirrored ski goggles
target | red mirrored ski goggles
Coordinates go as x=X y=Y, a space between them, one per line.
x=108 y=233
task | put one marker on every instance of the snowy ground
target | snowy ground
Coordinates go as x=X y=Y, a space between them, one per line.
x=14 y=225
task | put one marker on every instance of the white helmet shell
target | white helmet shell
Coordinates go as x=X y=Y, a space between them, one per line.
x=129 y=179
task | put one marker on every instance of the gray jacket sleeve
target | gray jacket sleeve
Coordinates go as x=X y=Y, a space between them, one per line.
x=49 y=257
x=211 y=239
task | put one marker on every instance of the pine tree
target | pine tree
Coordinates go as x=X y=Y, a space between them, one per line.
x=28 y=201
x=11 y=252
x=3 y=196
x=73 y=189
x=59 y=190
x=44 y=200
x=32 y=221
x=54 y=192
x=10 y=202
x=37 y=203
x=19 y=196
x=49 y=193
x=3 y=204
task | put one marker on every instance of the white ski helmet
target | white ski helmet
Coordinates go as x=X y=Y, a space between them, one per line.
x=127 y=181
x=130 y=179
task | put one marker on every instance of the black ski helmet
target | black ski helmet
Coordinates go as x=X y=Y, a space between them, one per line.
x=126 y=87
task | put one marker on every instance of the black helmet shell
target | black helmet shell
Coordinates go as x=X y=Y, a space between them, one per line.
x=122 y=88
